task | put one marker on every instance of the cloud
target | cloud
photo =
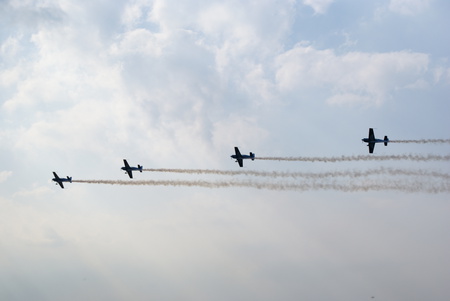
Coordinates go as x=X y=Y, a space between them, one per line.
x=10 y=47
x=37 y=192
x=349 y=99
x=238 y=131
x=178 y=84
x=354 y=77
x=319 y=6
x=139 y=41
x=4 y=175
x=186 y=84
x=409 y=7
x=28 y=17
x=441 y=74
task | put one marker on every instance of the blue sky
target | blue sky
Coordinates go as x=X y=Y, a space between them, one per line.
x=177 y=85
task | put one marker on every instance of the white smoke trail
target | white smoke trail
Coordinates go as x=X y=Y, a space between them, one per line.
x=311 y=175
x=421 y=141
x=397 y=185
x=409 y=157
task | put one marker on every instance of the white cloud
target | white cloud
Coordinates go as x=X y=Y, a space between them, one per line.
x=9 y=77
x=441 y=74
x=363 y=77
x=134 y=13
x=238 y=131
x=319 y=6
x=178 y=84
x=349 y=99
x=409 y=7
x=139 y=41
x=10 y=47
x=4 y=175
x=37 y=192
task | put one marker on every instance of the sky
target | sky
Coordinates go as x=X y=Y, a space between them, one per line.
x=176 y=85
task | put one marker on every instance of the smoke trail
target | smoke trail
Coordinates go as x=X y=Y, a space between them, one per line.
x=311 y=175
x=414 y=186
x=421 y=141
x=409 y=157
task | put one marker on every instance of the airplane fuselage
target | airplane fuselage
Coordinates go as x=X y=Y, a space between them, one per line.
x=132 y=168
x=62 y=180
x=375 y=141
x=243 y=157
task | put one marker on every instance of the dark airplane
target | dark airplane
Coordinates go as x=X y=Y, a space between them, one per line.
x=129 y=169
x=239 y=158
x=60 y=181
x=372 y=140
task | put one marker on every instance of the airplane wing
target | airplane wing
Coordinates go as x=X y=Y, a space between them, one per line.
x=61 y=184
x=371 y=147
x=240 y=161
x=130 y=173
x=238 y=153
x=371 y=134
x=126 y=164
x=55 y=175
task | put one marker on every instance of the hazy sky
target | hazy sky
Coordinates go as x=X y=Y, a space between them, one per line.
x=178 y=84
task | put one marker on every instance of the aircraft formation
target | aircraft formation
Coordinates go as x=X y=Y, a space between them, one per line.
x=371 y=140
x=128 y=170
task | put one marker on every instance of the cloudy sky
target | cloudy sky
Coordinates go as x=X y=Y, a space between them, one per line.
x=178 y=84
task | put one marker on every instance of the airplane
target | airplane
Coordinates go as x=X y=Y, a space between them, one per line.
x=129 y=169
x=60 y=181
x=371 y=140
x=239 y=158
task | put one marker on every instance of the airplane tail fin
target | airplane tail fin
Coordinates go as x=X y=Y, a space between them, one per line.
x=252 y=155
x=140 y=167
x=386 y=140
x=69 y=178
